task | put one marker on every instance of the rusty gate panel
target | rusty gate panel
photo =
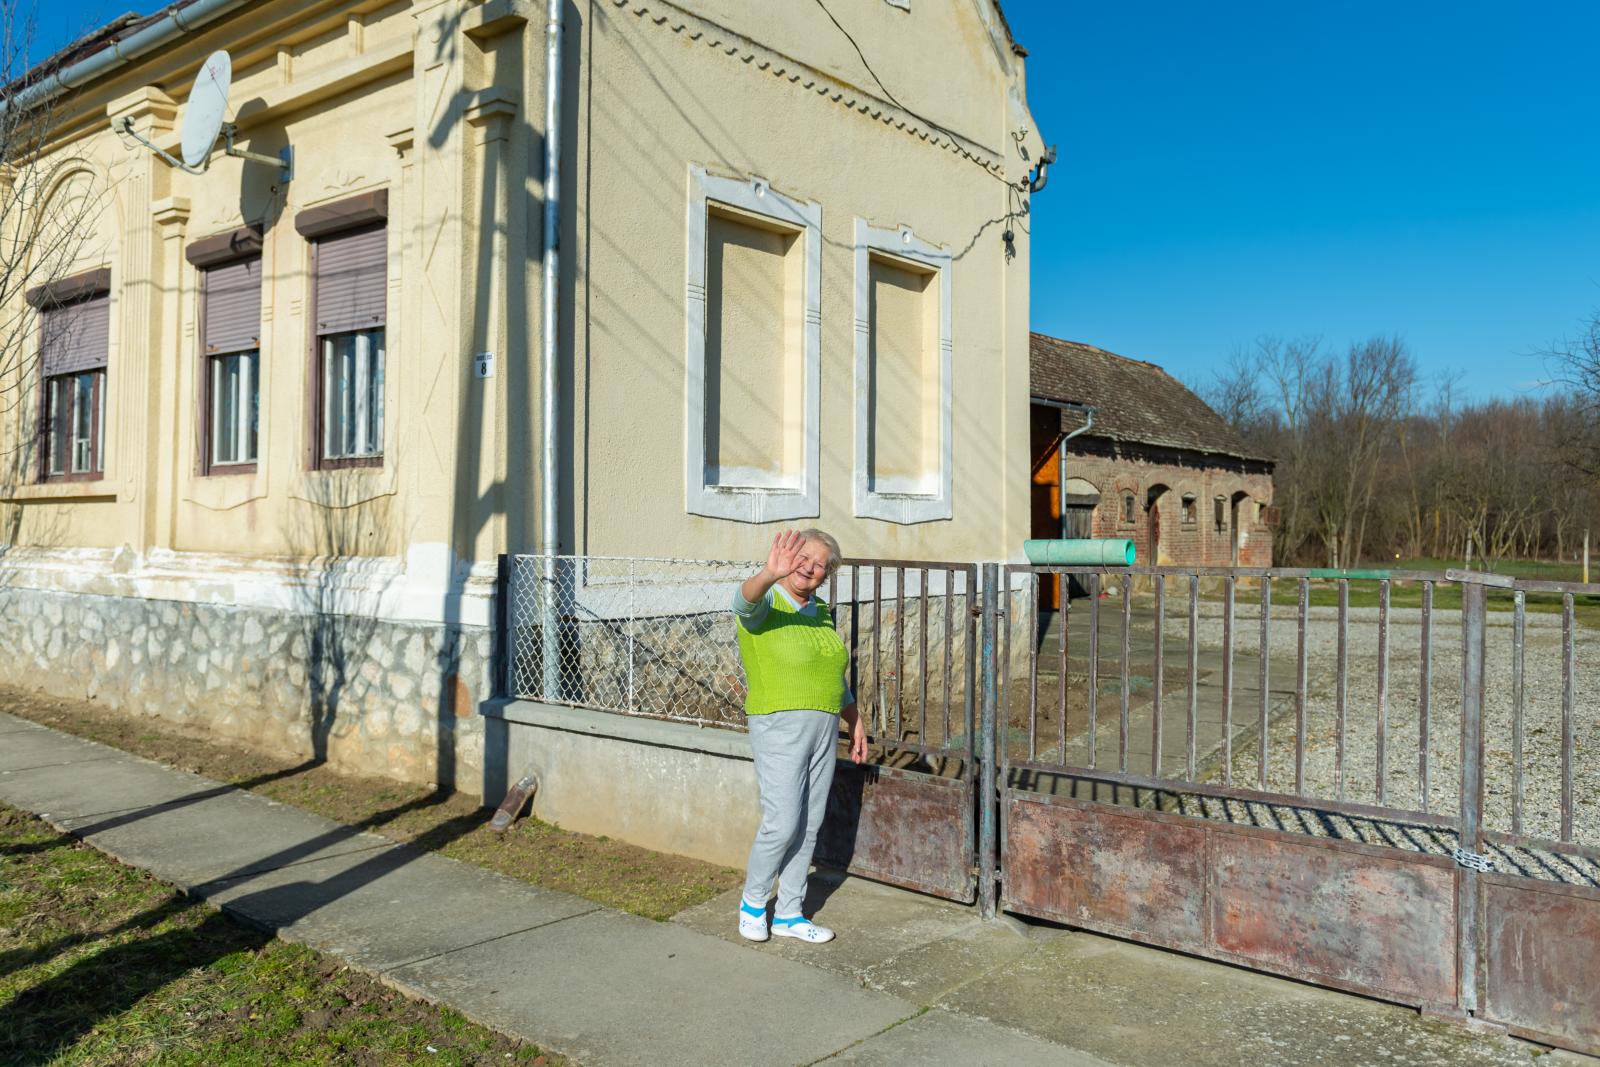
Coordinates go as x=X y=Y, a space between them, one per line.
x=908 y=829
x=1103 y=868
x=1365 y=918
x=1360 y=917
x=1541 y=943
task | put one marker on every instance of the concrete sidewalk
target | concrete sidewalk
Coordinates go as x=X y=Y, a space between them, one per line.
x=599 y=986
x=910 y=978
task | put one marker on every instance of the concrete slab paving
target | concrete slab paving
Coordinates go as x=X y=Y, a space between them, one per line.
x=384 y=909
x=875 y=922
x=242 y=833
x=942 y=1037
x=910 y=945
x=1137 y=1006
x=608 y=988
x=89 y=789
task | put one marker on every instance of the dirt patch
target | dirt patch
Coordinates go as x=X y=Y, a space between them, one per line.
x=656 y=885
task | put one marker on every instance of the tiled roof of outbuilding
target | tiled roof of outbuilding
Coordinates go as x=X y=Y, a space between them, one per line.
x=1134 y=401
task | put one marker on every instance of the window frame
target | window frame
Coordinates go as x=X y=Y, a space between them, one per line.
x=793 y=497
x=1130 y=508
x=97 y=427
x=905 y=508
x=50 y=296
x=1189 y=515
x=331 y=223
x=206 y=254
x=332 y=462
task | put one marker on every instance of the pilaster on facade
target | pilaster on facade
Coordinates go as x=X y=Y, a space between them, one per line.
x=491 y=115
x=137 y=339
x=171 y=217
x=435 y=333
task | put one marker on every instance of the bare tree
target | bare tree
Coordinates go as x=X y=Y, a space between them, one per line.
x=50 y=210
x=1576 y=363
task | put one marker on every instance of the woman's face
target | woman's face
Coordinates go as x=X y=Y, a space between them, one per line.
x=813 y=570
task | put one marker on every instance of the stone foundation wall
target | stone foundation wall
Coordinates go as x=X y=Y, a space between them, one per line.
x=369 y=696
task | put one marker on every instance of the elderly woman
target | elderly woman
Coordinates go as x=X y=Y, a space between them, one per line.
x=795 y=665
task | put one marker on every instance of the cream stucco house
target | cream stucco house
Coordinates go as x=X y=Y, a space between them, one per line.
x=264 y=473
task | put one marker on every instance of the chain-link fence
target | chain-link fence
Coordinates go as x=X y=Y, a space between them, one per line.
x=656 y=638
x=650 y=637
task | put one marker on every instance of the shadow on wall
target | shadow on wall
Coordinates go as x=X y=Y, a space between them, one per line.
x=338 y=655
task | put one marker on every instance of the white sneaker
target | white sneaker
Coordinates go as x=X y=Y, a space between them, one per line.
x=800 y=928
x=752 y=923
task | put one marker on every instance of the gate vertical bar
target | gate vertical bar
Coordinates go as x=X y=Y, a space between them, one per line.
x=1192 y=723
x=1300 y=679
x=1227 y=679
x=1064 y=616
x=986 y=750
x=1518 y=636
x=899 y=654
x=1568 y=695
x=1473 y=605
x=1033 y=676
x=1122 y=722
x=922 y=664
x=1383 y=692
x=1341 y=701
x=1159 y=667
x=1262 y=683
x=1094 y=665
x=1424 y=703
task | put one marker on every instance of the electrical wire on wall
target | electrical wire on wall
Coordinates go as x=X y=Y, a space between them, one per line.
x=1016 y=203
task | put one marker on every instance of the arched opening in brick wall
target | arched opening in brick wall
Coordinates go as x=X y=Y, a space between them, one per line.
x=1152 y=508
x=1241 y=511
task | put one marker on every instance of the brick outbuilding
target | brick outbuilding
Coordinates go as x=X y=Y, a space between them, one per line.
x=1153 y=463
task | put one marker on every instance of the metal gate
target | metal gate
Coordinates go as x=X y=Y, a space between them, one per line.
x=1253 y=799
x=1365 y=780
x=907 y=817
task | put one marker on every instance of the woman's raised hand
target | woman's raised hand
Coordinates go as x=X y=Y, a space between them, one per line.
x=784 y=558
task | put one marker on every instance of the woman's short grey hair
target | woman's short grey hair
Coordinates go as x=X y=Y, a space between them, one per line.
x=825 y=539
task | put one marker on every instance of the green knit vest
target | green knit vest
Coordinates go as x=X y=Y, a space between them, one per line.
x=793 y=660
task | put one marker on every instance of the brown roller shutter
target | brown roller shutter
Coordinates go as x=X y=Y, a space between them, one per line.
x=352 y=278
x=233 y=306
x=75 y=337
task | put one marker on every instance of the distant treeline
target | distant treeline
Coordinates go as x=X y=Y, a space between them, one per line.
x=1373 y=464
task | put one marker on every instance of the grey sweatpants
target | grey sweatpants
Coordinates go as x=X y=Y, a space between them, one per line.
x=794 y=753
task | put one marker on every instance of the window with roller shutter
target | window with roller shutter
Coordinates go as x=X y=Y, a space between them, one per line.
x=74 y=342
x=349 y=262
x=231 y=364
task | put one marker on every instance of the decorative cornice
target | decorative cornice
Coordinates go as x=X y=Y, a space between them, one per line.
x=760 y=57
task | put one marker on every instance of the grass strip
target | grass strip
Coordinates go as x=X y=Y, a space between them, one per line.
x=615 y=874
x=104 y=964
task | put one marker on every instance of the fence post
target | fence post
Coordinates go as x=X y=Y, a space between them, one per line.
x=504 y=655
x=1474 y=604
x=986 y=748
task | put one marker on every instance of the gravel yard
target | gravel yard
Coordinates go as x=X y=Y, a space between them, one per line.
x=1541 y=789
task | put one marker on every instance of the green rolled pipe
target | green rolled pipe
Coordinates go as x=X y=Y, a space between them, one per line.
x=1081 y=552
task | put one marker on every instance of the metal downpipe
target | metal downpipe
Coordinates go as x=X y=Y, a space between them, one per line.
x=550 y=310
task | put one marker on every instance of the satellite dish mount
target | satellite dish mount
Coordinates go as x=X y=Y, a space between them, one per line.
x=203 y=124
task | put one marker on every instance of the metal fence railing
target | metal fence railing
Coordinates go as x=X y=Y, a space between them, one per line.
x=1335 y=703
x=656 y=638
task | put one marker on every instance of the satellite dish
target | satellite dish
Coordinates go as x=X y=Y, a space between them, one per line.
x=208 y=103
x=203 y=123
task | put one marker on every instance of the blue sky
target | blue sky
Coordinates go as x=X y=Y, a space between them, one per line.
x=1341 y=169
x=1230 y=169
